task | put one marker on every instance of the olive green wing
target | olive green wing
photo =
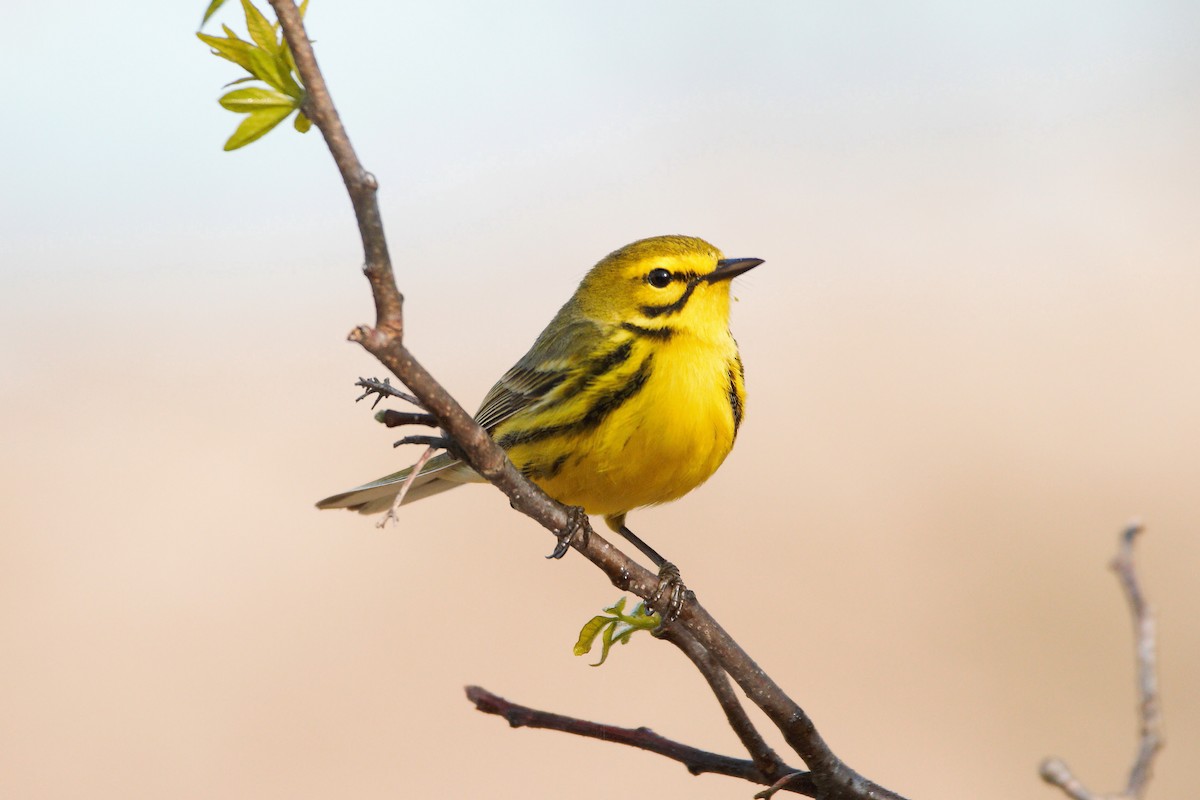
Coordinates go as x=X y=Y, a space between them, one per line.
x=556 y=357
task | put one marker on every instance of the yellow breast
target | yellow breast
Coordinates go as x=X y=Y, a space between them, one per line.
x=672 y=431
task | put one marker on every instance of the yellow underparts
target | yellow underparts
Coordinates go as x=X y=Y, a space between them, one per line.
x=665 y=417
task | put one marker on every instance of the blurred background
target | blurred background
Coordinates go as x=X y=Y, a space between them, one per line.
x=971 y=358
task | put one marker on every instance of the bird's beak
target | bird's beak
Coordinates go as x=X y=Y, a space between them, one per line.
x=729 y=268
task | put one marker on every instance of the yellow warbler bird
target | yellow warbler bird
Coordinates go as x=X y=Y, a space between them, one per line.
x=630 y=397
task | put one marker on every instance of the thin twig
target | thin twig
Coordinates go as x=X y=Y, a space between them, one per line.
x=381 y=389
x=834 y=777
x=415 y=472
x=697 y=762
x=1149 y=708
x=779 y=785
x=1054 y=770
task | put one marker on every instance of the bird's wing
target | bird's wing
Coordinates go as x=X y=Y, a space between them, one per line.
x=554 y=358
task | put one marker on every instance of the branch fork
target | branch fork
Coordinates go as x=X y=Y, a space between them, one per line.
x=1055 y=771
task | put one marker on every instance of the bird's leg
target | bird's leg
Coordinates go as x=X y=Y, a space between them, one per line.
x=577 y=522
x=648 y=551
x=670 y=582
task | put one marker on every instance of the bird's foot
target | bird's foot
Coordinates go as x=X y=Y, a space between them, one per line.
x=577 y=523
x=668 y=598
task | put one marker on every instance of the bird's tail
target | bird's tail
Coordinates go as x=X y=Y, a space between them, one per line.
x=441 y=473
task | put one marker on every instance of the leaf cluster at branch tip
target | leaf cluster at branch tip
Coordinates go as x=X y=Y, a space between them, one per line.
x=266 y=57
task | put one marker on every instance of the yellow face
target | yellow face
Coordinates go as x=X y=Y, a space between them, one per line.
x=676 y=283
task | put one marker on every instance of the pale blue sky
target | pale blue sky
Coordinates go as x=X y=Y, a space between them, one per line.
x=530 y=140
x=112 y=139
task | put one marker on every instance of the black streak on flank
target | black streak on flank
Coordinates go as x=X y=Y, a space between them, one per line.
x=600 y=409
x=544 y=471
x=610 y=360
x=735 y=403
x=597 y=368
x=662 y=334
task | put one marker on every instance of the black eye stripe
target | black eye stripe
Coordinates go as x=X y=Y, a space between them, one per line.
x=672 y=308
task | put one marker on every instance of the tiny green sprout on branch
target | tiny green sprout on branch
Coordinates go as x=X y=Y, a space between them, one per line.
x=267 y=58
x=617 y=626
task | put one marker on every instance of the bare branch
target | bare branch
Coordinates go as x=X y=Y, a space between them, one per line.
x=1054 y=770
x=1149 y=709
x=697 y=762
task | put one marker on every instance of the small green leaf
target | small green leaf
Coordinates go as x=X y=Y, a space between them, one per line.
x=269 y=68
x=212 y=9
x=303 y=8
x=257 y=125
x=617 y=608
x=606 y=643
x=289 y=59
x=302 y=122
x=266 y=68
x=250 y=100
x=588 y=634
x=231 y=49
x=273 y=70
x=261 y=30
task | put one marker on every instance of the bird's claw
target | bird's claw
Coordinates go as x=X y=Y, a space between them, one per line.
x=670 y=588
x=577 y=522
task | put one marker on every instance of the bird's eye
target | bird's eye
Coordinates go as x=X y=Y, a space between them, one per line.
x=659 y=278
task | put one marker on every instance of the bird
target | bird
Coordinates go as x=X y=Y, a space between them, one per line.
x=632 y=396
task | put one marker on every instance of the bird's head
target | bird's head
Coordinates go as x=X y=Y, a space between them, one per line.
x=665 y=283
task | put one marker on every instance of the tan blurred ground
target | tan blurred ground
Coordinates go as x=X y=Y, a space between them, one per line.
x=971 y=358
